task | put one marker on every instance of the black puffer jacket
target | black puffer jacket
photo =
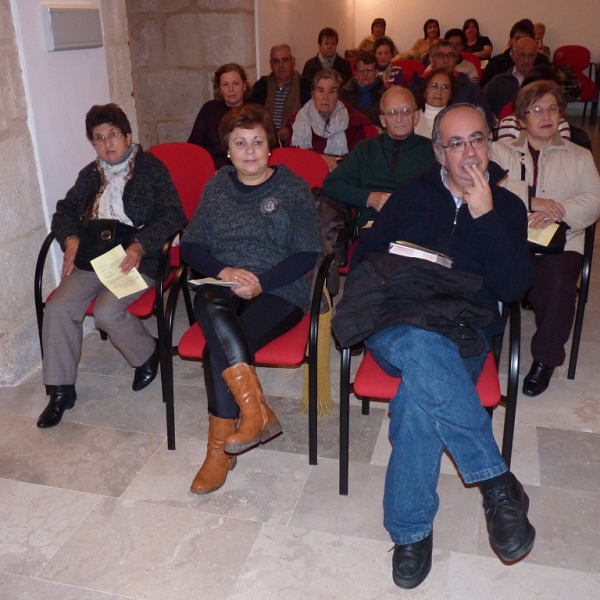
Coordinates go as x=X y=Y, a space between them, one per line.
x=149 y=199
x=385 y=289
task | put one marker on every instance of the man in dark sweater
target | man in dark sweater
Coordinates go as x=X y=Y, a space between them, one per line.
x=327 y=57
x=368 y=174
x=284 y=91
x=457 y=209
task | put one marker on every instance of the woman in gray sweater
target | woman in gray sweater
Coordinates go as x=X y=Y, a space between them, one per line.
x=256 y=228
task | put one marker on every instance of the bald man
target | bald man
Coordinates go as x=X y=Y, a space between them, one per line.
x=503 y=88
x=368 y=174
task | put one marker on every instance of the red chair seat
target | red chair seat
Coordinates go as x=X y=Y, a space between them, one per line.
x=372 y=382
x=288 y=349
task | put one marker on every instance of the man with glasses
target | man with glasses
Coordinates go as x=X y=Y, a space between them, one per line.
x=457 y=209
x=368 y=174
x=503 y=88
x=364 y=91
x=327 y=57
x=443 y=55
x=284 y=91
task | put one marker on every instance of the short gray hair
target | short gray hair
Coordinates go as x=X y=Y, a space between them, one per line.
x=436 y=136
x=281 y=47
x=327 y=74
x=441 y=44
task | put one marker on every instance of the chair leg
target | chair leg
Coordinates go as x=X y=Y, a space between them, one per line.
x=103 y=335
x=576 y=337
x=366 y=405
x=344 y=421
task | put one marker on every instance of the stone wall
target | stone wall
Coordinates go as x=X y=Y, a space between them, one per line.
x=118 y=58
x=22 y=226
x=176 y=46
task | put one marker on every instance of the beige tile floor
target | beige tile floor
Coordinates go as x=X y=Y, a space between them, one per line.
x=98 y=508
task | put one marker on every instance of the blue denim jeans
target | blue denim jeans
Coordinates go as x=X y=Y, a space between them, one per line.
x=436 y=407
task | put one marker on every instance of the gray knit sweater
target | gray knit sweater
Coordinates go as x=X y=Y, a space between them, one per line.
x=259 y=229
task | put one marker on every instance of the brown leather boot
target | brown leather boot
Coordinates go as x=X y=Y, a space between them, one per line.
x=258 y=422
x=217 y=464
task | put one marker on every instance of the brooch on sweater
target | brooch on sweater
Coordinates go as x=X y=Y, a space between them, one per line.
x=269 y=205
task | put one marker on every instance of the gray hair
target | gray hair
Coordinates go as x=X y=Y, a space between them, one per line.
x=441 y=44
x=436 y=136
x=327 y=74
x=281 y=47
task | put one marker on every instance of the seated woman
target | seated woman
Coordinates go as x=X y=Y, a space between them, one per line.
x=325 y=124
x=539 y=31
x=477 y=44
x=433 y=97
x=364 y=91
x=255 y=227
x=377 y=32
x=230 y=89
x=390 y=73
x=127 y=189
x=564 y=185
x=421 y=48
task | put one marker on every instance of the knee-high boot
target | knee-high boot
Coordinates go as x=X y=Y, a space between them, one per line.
x=258 y=422
x=217 y=464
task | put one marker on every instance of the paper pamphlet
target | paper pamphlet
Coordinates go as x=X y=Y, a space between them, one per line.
x=542 y=236
x=212 y=281
x=403 y=248
x=109 y=273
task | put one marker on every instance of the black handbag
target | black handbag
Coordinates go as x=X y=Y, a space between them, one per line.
x=98 y=236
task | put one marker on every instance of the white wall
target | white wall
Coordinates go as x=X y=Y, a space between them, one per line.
x=297 y=23
x=567 y=22
x=60 y=88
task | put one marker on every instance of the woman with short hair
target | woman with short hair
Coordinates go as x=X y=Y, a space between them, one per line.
x=256 y=228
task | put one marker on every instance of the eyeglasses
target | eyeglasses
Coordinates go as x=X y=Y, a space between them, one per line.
x=442 y=55
x=460 y=145
x=443 y=86
x=284 y=61
x=102 y=139
x=328 y=43
x=538 y=111
x=365 y=69
x=394 y=113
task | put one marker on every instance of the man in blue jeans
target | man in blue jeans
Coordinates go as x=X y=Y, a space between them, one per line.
x=457 y=209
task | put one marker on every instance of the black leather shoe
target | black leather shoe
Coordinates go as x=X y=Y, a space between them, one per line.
x=411 y=563
x=536 y=382
x=62 y=397
x=511 y=533
x=145 y=374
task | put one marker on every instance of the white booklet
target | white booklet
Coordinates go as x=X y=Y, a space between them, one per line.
x=109 y=273
x=212 y=281
x=412 y=250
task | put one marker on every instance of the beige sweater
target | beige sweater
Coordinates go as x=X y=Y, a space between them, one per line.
x=566 y=173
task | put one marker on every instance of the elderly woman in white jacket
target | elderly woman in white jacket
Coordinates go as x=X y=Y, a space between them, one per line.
x=563 y=185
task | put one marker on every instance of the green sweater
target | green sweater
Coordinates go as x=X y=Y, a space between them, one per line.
x=368 y=169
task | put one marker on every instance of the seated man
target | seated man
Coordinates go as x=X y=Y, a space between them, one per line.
x=503 y=62
x=458 y=38
x=503 y=88
x=325 y=124
x=327 y=57
x=284 y=91
x=367 y=176
x=451 y=209
x=364 y=91
x=443 y=55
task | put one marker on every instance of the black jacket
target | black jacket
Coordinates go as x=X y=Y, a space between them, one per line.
x=149 y=199
x=350 y=94
x=385 y=289
x=260 y=91
x=341 y=65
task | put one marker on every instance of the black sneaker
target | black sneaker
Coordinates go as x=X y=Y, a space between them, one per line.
x=411 y=563
x=511 y=533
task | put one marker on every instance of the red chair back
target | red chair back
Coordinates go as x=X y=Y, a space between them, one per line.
x=351 y=61
x=190 y=166
x=507 y=110
x=473 y=58
x=579 y=58
x=306 y=163
x=409 y=67
x=370 y=131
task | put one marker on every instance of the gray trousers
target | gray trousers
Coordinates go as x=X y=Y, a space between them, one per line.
x=62 y=333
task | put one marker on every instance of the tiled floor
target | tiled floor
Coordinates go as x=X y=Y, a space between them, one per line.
x=98 y=508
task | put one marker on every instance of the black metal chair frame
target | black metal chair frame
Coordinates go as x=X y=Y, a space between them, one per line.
x=511 y=313
x=180 y=283
x=584 y=288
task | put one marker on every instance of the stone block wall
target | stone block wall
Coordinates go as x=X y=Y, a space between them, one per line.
x=176 y=46
x=22 y=226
